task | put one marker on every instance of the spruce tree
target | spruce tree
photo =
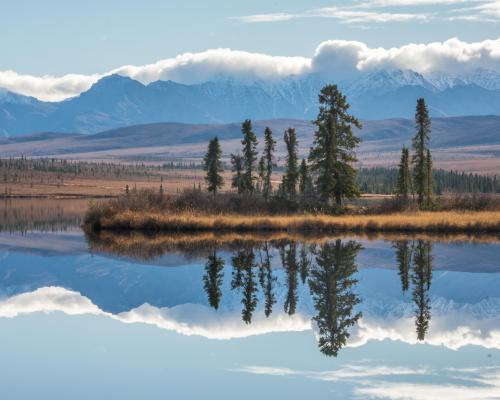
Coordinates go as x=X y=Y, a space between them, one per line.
x=403 y=183
x=213 y=166
x=428 y=178
x=305 y=184
x=249 y=143
x=268 y=159
x=237 y=169
x=292 y=166
x=333 y=150
x=420 y=147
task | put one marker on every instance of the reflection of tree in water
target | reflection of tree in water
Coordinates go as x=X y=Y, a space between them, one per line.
x=417 y=253
x=212 y=279
x=244 y=277
x=267 y=279
x=288 y=255
x=305 y=261
x=421 y=279
x=403 y=257
x=331 y=285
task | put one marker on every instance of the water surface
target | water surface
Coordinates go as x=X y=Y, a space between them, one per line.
x=135 y=316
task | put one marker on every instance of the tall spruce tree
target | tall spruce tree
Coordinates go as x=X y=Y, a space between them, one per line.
x=333 y=150
x=403 y=183
x=249 y=143
x=213 y=166
x=428 y=178
x=269 y=162
x=237 y=169
x=305 y=181
x=292 y=167
x=420 y=147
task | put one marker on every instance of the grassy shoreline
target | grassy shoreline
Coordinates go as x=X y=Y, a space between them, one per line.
x=404 y=222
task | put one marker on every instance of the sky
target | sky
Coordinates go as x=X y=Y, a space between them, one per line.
x=90 y=38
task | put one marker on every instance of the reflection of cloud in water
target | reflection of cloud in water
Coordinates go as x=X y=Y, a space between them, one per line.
x=186 y=319
x=375 y=381
x=451 y=328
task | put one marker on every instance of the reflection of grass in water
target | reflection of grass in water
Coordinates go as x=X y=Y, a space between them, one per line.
x=21 y=215
x=141 y=245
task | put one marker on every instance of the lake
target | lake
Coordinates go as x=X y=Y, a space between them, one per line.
x=131 y=316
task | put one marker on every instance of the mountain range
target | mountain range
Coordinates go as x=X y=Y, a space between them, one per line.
x=117 y=101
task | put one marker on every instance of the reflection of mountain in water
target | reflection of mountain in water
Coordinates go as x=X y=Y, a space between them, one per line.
x=273 y=285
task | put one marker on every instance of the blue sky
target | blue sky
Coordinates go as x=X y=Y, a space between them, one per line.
x=59 y=36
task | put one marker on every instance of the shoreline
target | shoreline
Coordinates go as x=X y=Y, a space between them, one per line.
x=401 y=222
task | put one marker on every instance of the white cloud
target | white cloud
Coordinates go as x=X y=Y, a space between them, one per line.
x=488 y=390
x=370 y=381
x=350 y=15
x=385 y=11
x=353 y=16
x=337 y=59
x=405 y=3
x=487 y=11
x=273 y=17
x=47 y=87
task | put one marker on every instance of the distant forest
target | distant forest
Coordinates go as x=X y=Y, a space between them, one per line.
x=371 y=180
x=383 y=180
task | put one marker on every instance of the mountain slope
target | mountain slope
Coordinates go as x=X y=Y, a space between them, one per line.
x=117 y=101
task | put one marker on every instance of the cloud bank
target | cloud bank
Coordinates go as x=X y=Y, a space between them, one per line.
x=334 y=59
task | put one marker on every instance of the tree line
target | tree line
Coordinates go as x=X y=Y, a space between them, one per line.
x=383 y=180
x=328 y=176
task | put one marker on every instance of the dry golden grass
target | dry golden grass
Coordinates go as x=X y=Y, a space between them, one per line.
x=474 y=222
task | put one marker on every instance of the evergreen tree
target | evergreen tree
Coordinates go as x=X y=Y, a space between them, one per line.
x=333 y=149
x=262 y=174
x=420 y=147
x=213 y=166
x=268 y=162
x=212 y=280
x=249 y=143
x=428 y=178
x=237 y=169
x=305 y=181
x=403 y=183
x=292 y=166
x=331 y=282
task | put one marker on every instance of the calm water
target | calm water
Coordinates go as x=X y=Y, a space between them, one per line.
x=170 y=317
